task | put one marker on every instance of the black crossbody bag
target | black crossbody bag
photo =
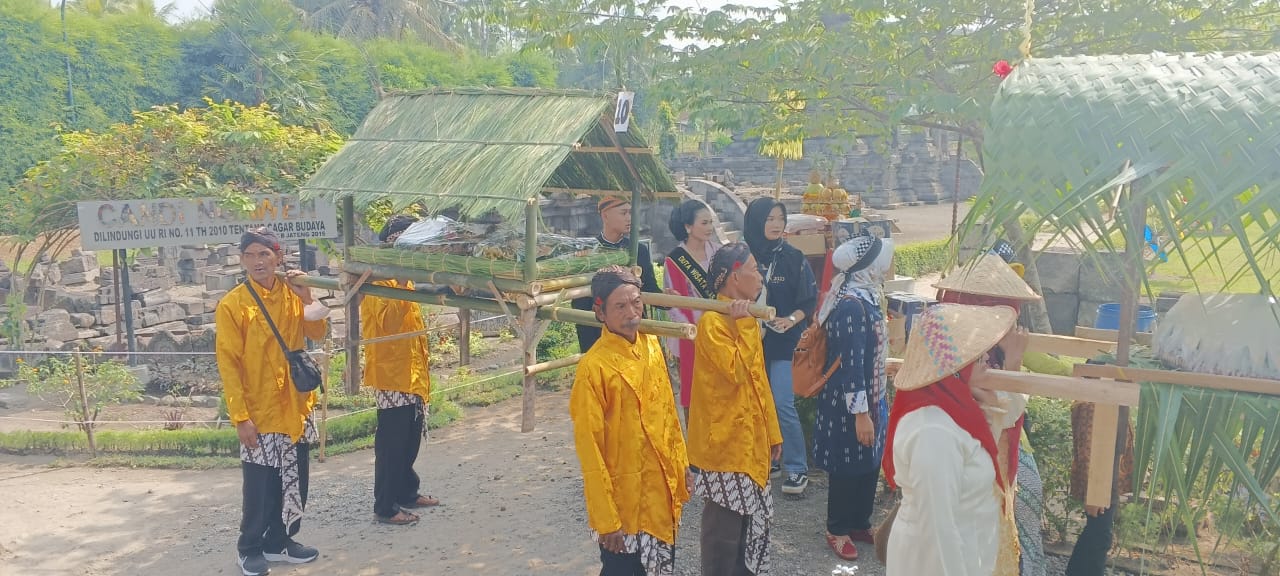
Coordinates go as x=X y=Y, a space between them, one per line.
x=303 y=369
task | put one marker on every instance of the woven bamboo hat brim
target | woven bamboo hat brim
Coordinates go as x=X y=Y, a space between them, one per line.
x=948 y=337
x=990 y=276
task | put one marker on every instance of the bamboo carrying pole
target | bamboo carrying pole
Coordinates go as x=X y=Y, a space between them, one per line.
x=722 y=306
x=560 y=313
x=655 y=327
x=553 y=364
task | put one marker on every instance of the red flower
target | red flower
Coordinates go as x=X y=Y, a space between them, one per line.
x=1002 y=68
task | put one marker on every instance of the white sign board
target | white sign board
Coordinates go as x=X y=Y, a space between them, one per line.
x=197 y=221
x=622 y=112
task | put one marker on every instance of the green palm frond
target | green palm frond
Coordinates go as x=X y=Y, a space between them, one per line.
x=1196 y=136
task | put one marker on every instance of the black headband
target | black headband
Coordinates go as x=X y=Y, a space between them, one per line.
x=264 y=236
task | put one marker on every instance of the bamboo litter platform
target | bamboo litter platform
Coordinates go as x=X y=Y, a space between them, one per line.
x=485 y=153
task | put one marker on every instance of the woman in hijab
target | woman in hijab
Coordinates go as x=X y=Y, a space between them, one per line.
x=941 y=451
x=852 y=414
x=790 y=287
x=686 y=275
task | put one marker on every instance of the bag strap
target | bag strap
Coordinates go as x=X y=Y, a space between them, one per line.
x=249 y=285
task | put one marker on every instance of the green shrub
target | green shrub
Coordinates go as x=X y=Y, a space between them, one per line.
x=1051 y=442
x=920 y=258
x=560 y=340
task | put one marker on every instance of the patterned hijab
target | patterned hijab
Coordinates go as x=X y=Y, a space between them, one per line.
x=849 y=259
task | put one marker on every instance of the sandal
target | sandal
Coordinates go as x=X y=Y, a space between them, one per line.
x=422 y=502
x=401 y=518
x=843 y=547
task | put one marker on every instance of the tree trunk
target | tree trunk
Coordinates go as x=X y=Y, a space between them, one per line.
x=1037 y=312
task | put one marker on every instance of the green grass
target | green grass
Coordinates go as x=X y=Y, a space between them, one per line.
x=1212 y=272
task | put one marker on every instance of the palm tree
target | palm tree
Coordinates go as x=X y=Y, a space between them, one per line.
x=368 y=19
x=1098 y=147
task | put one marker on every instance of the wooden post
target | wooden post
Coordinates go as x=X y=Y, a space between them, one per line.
x=529 y=333
x=464 y=337
x=1133 y=247
x=352 y=341
x=84 y=406
x=126 y=294
x=115 y=287
x=529 y=345
x=325 y=363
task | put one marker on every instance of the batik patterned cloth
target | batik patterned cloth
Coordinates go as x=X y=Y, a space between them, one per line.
x=658 y=557
x=386 y=399
x=1028 y=512
x=278 y=451
x=739 y=493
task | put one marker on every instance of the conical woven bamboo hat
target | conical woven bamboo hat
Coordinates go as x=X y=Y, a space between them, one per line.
x=948 y=337
x=990 y=276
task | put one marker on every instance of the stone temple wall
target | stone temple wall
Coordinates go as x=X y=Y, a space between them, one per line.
x=917 y=167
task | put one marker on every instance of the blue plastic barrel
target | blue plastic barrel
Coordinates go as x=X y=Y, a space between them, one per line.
x=1109 y=317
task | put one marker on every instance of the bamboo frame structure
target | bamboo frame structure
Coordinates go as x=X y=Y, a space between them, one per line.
x=461 y=169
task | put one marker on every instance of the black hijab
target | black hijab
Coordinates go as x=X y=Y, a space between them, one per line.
x=753 y=229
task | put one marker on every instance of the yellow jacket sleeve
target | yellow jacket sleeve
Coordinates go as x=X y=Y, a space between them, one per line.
x=586 y=408
x=229 y=348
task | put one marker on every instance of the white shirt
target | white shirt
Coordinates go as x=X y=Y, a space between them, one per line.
x=949 y=520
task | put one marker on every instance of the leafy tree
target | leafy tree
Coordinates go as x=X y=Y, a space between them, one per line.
x=57 y=381
x=225 y=149
x=119 y=63
x=369 y=19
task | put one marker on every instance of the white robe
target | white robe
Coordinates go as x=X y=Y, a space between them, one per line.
x=948 y=523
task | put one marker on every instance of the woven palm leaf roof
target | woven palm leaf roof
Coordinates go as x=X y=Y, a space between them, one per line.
x=481 y=150
x=1072 y=123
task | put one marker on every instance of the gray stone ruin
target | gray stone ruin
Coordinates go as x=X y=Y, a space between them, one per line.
x=73 y=304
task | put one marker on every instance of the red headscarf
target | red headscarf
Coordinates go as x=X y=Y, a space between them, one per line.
x=954 y=297
x=953 y=395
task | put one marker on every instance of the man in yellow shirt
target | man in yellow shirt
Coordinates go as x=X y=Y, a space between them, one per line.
x=733 y=426
x=272 y=418
x=399 y=372
x=635 y=473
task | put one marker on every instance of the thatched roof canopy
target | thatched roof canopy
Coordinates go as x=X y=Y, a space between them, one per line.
x=482 y=150
x=1208 y=122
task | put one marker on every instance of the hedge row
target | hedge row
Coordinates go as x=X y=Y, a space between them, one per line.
x=921 y=258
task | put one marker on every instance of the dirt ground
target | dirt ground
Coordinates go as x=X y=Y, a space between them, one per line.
x=513 y=506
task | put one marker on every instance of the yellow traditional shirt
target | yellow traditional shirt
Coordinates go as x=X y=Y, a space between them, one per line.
x=397 y=365
x=628 y=438
x=254 y=371
x=732 y=420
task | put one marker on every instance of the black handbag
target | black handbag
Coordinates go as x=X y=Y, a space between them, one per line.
x=303 y=369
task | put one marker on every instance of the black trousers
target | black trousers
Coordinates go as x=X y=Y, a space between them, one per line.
x=851 y=499
x=620 y=564
x=261 y=527
x=395 y=448
x=724 y=541
x=1089 y=557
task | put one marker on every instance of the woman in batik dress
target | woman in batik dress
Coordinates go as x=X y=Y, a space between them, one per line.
x=852 y=413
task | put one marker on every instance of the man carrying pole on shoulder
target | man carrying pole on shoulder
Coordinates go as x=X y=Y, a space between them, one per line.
x=255 y=321
x=634 y=468
x=399 y=372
